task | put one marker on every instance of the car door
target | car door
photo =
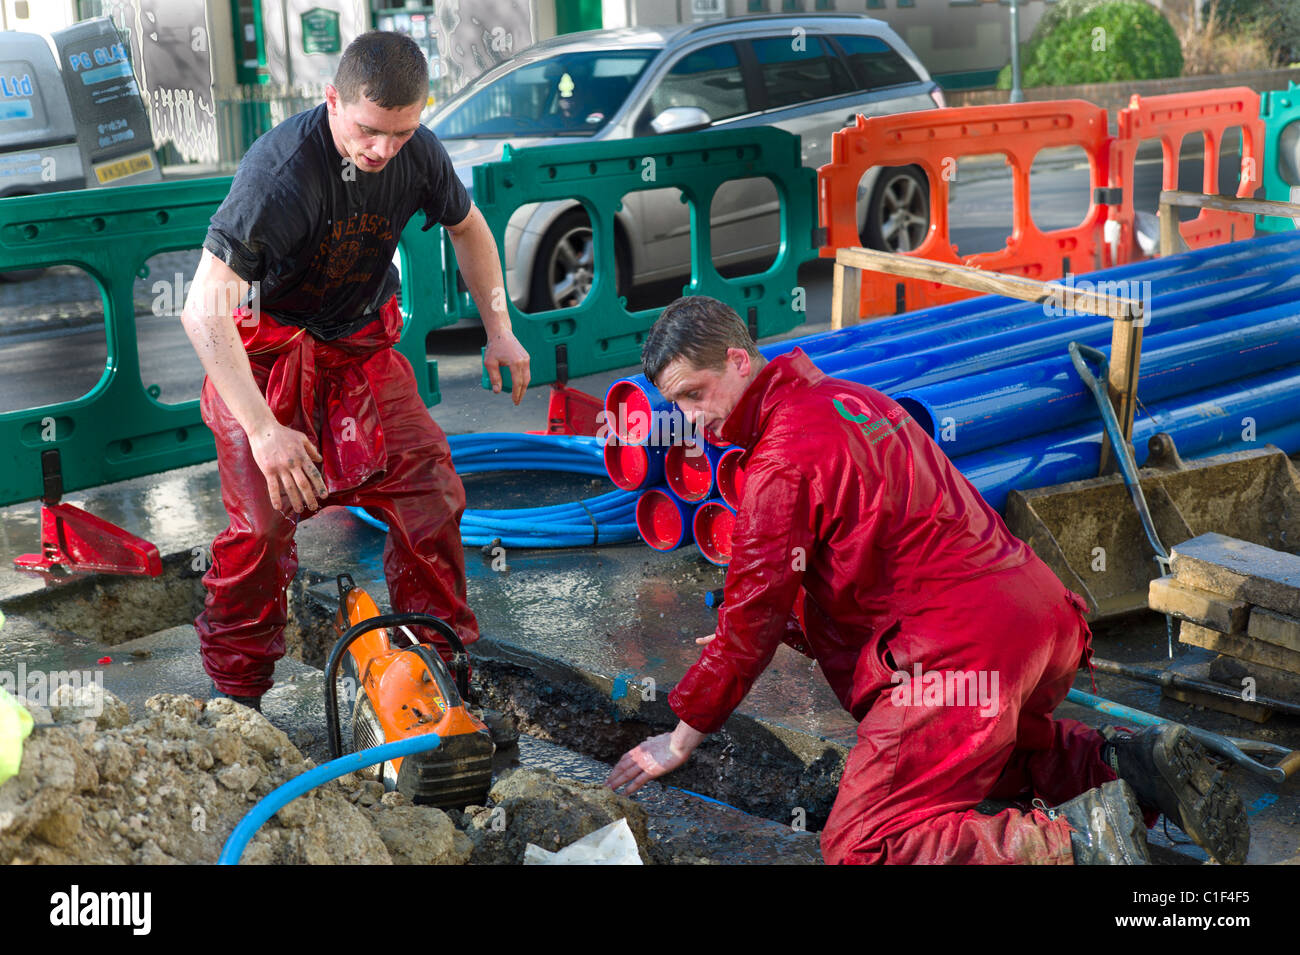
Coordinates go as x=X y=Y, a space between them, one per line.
x=709 y=77
x=803 y=87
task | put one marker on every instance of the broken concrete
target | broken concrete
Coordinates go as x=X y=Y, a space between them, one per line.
x=535 y=807
x=169 y=789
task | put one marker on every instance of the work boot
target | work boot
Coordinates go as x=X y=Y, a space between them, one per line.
x=252 y=702
x=1170 y=771
x=1106 y=826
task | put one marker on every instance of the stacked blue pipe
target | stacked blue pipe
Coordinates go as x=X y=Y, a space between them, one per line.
x=991 y=380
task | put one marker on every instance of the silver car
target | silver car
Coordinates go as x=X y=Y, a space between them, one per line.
x=808 y=74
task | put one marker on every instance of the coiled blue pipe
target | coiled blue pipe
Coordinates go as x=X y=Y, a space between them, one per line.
x=281 y=796
x=606 y=519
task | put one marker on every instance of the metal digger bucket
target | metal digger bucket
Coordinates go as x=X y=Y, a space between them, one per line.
x=1090 y=534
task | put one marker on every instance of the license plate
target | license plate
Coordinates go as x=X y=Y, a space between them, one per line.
x=121 y=168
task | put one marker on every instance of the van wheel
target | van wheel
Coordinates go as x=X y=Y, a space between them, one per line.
x=898 y=215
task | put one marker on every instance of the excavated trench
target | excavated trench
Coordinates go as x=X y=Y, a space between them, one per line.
x=748 y=766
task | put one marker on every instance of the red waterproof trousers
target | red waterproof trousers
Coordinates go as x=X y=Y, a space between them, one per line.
x=356 y=399
x=919 y=768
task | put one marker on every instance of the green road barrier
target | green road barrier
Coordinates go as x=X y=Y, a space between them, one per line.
x=119 y=429
x=1279 y=109
x=600 y=333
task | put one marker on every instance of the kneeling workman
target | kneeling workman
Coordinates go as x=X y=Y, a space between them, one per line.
x=908 y=575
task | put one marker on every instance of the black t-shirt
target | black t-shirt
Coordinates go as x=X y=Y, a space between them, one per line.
x=319 y=233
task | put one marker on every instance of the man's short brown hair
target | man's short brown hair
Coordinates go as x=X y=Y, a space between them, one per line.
x=389 y=69
x=697 y=328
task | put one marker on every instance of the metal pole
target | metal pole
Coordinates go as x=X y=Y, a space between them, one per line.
x=1017 y=95
x=288 y=51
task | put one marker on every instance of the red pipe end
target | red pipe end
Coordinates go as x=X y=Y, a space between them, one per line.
x=731 y=477
x=713 y=525
x=660 y=521
x=628 y=412
x=689 y=472
x=627 y=465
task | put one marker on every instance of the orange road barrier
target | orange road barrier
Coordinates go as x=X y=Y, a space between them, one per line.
x=935 y=140
x=1170 y=119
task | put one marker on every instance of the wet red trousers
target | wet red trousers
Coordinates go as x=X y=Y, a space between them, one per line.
x=356 y=399
x=921 y=763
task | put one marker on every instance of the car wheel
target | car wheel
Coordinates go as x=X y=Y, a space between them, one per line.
x=565 y=268
x=898 y=215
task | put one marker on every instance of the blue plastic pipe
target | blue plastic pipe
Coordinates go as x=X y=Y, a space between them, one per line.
x=994 y=408
x=281 y=796
x=1208 y=422
x=895 y=337
x=691 y=471
x=664 y=521
x=906 y=353
x=1236 y=256
x=944 y=362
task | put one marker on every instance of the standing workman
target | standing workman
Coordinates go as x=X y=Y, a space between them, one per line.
x=917 y=603
x=294 y=315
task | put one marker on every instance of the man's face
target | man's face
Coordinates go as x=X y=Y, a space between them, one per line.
x=707 y=396
x=367 y=133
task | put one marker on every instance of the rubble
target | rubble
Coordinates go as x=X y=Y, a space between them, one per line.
x=538 y=807
x=95 y=788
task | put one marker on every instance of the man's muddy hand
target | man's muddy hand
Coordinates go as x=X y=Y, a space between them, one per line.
x=654 y=758
x=504 y=349
x=288 y=460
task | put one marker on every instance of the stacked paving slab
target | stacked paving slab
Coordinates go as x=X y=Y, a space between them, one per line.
x=1242 y=601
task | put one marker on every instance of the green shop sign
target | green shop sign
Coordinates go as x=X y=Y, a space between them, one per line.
x=320 y=31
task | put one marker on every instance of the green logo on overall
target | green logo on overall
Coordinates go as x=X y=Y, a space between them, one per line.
x=874 y=427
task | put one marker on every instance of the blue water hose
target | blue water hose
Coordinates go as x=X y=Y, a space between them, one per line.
x=605 y=519
x=281 y=796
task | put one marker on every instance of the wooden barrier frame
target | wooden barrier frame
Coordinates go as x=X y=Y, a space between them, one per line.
x=1171 y=239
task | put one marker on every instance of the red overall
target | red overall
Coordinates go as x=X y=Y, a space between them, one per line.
x=945 y=636
x=356 y=400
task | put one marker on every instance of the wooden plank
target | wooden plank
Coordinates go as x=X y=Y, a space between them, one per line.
x=1255 y=712
x=846 y=296
x=1125 y=361
x=1239 y=646
x=994 y=283
x=1171 y=240
x=1241 y=570
x=1260 y=207
x=1274 y=628
x=1167 y=595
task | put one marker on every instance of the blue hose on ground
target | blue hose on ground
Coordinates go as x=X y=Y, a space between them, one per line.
x=281 y=796
x=606 y=519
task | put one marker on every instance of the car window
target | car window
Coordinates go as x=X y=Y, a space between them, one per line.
x=709 y=78
x=799 y=69
x=572 y=94
x=874 y=62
